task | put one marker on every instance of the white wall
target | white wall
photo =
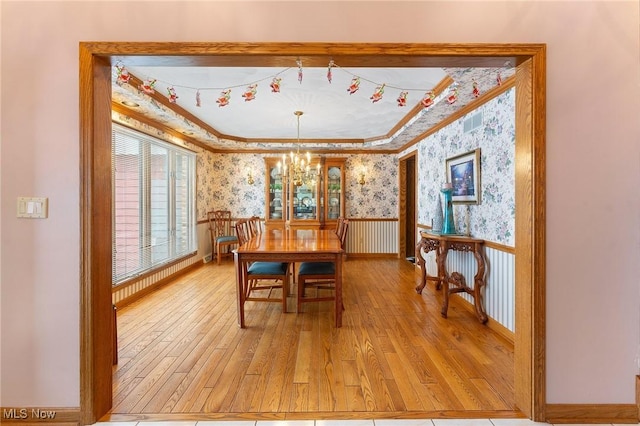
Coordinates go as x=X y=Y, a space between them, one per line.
x=593 y=166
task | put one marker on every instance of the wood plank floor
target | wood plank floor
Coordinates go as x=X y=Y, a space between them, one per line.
x=182 y=355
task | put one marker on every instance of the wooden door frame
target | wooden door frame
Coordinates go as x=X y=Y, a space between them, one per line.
x=403 y=200
x=96 y=59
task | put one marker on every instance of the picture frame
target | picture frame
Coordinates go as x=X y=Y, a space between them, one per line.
x=463 y=171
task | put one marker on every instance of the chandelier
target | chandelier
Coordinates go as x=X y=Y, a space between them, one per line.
x=297 y=168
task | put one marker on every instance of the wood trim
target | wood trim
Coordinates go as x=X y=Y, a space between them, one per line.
x=638 y=396
x=334 y=415
x=119 y=109
x=530 y=178
x=95 y=124
x=437 y=90
x=591 y=413
x=40 y=415
x=402 y=205
x=372 y=219
x=471 y=106
x=139 y=278
x=373 y=255
x=500 y=247
x=167 y=280
x=95 y=230
x=491 y=324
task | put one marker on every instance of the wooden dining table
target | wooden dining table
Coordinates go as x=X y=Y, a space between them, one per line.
x=289 y=245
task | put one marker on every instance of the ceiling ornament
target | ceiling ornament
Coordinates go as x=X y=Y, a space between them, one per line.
x=250 y=90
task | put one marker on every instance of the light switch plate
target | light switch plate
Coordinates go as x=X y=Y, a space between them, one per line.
x=33 y=207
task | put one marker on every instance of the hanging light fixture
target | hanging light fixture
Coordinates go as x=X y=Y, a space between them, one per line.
x=297 y=168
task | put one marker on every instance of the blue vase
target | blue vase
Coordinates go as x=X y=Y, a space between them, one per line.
x=448 y=226
x=438 y=218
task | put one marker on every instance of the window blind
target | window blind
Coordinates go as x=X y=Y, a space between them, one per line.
x=154 y=214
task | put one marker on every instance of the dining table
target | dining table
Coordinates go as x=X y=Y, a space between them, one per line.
x=290 y=245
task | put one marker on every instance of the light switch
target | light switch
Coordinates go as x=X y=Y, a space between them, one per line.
x=33 y=207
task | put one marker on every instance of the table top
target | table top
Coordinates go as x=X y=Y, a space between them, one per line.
x=450 y=237
x=280 y=240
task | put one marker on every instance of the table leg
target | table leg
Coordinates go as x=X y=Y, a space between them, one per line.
x=423 y=268
x=339 y=304
x=445 y=303
x=441 y=261
x=240 y=286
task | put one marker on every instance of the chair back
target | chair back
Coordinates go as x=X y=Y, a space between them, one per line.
x=243 y=231
x=220 y=223
x=255 y=225
x=339 y=224
x=343 y=232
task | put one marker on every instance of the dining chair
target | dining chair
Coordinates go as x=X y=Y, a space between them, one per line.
x=221 y=232
x=319 y=276
x=255 y=225
x=263 y=277
x=339 y=225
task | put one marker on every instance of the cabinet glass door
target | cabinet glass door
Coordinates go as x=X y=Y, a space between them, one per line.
x=305 y=202
x=276 y=201
x=334 y=192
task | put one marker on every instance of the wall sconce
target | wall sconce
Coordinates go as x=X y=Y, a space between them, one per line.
x=361 y=179
x=250 y=180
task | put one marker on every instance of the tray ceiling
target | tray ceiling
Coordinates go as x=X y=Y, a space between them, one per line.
x=333 y=118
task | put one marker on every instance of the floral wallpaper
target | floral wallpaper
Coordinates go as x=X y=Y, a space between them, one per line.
x=493 y=219
x=222 y=178
x=222 y=183
x=378 y=197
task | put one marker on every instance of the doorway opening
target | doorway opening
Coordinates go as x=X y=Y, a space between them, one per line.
x=96 y=60
x=407 y=207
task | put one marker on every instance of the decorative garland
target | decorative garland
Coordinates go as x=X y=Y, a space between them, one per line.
x=251 y=89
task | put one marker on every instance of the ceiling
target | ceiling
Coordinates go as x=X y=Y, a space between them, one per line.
x=333 y=119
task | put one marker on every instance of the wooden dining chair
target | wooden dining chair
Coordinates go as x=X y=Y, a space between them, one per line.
x=319 y=276
x=339 y=225
x=255 y=225
x=263 y=277
x=221 y=232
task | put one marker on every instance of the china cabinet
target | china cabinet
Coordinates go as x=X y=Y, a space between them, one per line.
x=288 y=204
x=316 y=204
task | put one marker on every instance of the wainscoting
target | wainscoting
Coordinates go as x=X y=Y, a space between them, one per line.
x=372 y=237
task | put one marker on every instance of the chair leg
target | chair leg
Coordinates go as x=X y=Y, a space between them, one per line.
x=219 y=254
x=300 y=294
x=285 y=292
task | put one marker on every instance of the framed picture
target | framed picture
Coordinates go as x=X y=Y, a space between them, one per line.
x=463 y=171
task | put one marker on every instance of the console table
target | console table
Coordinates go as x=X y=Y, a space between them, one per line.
x=454 y=282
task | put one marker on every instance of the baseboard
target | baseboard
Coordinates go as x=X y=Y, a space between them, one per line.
x=491 y=324
x=591 y=413
x=155 y=286
x=638 y=396
x=39 y=415
x=372 y=255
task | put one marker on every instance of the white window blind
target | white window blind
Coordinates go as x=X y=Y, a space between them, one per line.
x=154 y=214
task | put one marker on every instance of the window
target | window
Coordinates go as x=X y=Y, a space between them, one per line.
x=154 y=214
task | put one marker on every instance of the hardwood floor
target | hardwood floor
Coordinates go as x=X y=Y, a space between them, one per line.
x=182 y=355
